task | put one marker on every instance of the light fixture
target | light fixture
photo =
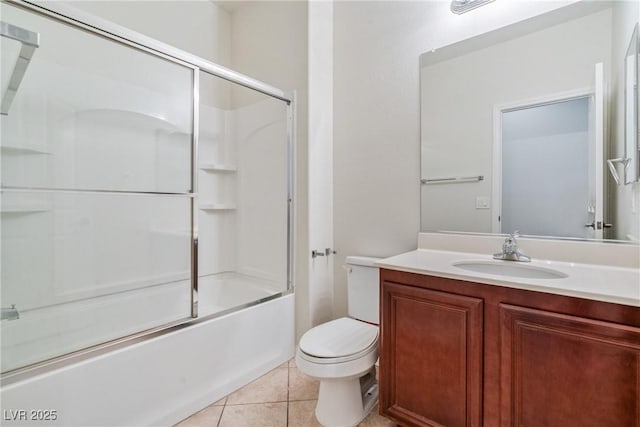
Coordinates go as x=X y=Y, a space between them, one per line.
x=462 y=6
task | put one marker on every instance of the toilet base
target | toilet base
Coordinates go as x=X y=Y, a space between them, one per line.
x=346 y=402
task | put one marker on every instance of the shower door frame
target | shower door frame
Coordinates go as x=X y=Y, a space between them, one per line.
x=103 y=28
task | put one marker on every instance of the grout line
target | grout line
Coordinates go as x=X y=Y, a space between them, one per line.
x=257 y=403
x=288 y=382
x=222 y=413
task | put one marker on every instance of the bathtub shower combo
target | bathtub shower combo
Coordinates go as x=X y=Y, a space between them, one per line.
x=146 y=222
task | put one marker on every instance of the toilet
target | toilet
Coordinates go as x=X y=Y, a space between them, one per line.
x=342 y=353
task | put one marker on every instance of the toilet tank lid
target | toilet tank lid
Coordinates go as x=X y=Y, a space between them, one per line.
x=365 y=261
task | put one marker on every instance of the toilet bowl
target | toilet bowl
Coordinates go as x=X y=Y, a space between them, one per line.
x=342 y=353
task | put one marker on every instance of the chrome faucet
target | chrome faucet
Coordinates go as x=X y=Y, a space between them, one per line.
x=510 y=251
x=9 y=313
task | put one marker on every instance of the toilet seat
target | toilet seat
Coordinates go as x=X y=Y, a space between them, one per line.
x=339 y=341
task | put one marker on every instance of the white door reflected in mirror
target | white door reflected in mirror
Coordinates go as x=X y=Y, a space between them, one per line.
x=545 y=170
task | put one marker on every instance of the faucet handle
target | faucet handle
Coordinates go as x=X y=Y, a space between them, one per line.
x=509 y=245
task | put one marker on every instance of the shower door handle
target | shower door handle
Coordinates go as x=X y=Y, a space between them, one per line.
x=30 y=42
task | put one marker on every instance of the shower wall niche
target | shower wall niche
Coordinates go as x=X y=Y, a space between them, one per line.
x=115 y=175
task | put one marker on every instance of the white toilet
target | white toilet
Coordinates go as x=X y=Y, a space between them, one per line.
x=342 y=353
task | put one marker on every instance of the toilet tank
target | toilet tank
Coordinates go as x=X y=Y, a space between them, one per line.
x=363 y=288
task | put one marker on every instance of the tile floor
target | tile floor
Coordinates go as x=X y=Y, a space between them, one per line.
x=284 y=397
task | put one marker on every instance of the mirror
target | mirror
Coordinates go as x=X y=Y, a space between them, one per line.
x=632 y=113
x=517 y=126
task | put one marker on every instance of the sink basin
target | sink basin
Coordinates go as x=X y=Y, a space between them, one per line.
x=510 y=268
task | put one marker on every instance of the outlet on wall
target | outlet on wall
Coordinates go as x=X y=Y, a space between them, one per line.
x=482 y=202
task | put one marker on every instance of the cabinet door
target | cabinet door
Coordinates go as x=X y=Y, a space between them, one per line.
x=431 y=357
x=559 y=370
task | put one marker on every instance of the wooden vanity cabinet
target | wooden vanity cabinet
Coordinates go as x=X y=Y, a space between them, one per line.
x=456 y=353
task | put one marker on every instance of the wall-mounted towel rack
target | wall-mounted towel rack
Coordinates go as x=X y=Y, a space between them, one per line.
x=30 y=42
x=453 y=180
x=625 y=161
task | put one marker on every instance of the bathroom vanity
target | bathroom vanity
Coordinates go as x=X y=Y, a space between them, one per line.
x=463 y=348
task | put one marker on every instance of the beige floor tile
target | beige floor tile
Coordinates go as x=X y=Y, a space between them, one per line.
x=374 y=419
x=292 y=363
x=271 y=387
x=302 y=414
x=208 y=417
x=220 y=402
x=255 y=415
x=302 y=387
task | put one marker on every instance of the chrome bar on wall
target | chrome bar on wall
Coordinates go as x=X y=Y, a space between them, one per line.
x=30 y=42
x=453 y=180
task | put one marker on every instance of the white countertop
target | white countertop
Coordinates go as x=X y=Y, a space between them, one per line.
x=619 y=285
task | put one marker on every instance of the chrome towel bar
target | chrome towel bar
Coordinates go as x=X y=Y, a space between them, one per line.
x=453 y=180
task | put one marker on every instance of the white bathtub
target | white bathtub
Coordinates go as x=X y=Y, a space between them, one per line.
x=54 y=330
x=162 y=380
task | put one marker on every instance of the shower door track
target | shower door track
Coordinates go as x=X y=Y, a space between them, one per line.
x=104 y=28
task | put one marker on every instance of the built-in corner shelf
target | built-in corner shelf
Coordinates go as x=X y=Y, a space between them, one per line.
x=217 y=207
x=211 y=167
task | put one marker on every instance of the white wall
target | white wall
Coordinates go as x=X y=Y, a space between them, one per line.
x=196 y=26
x=321 y=159
x=376 y=115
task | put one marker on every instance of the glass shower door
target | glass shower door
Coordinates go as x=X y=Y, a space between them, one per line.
x=97 y=189
x=242 y=195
